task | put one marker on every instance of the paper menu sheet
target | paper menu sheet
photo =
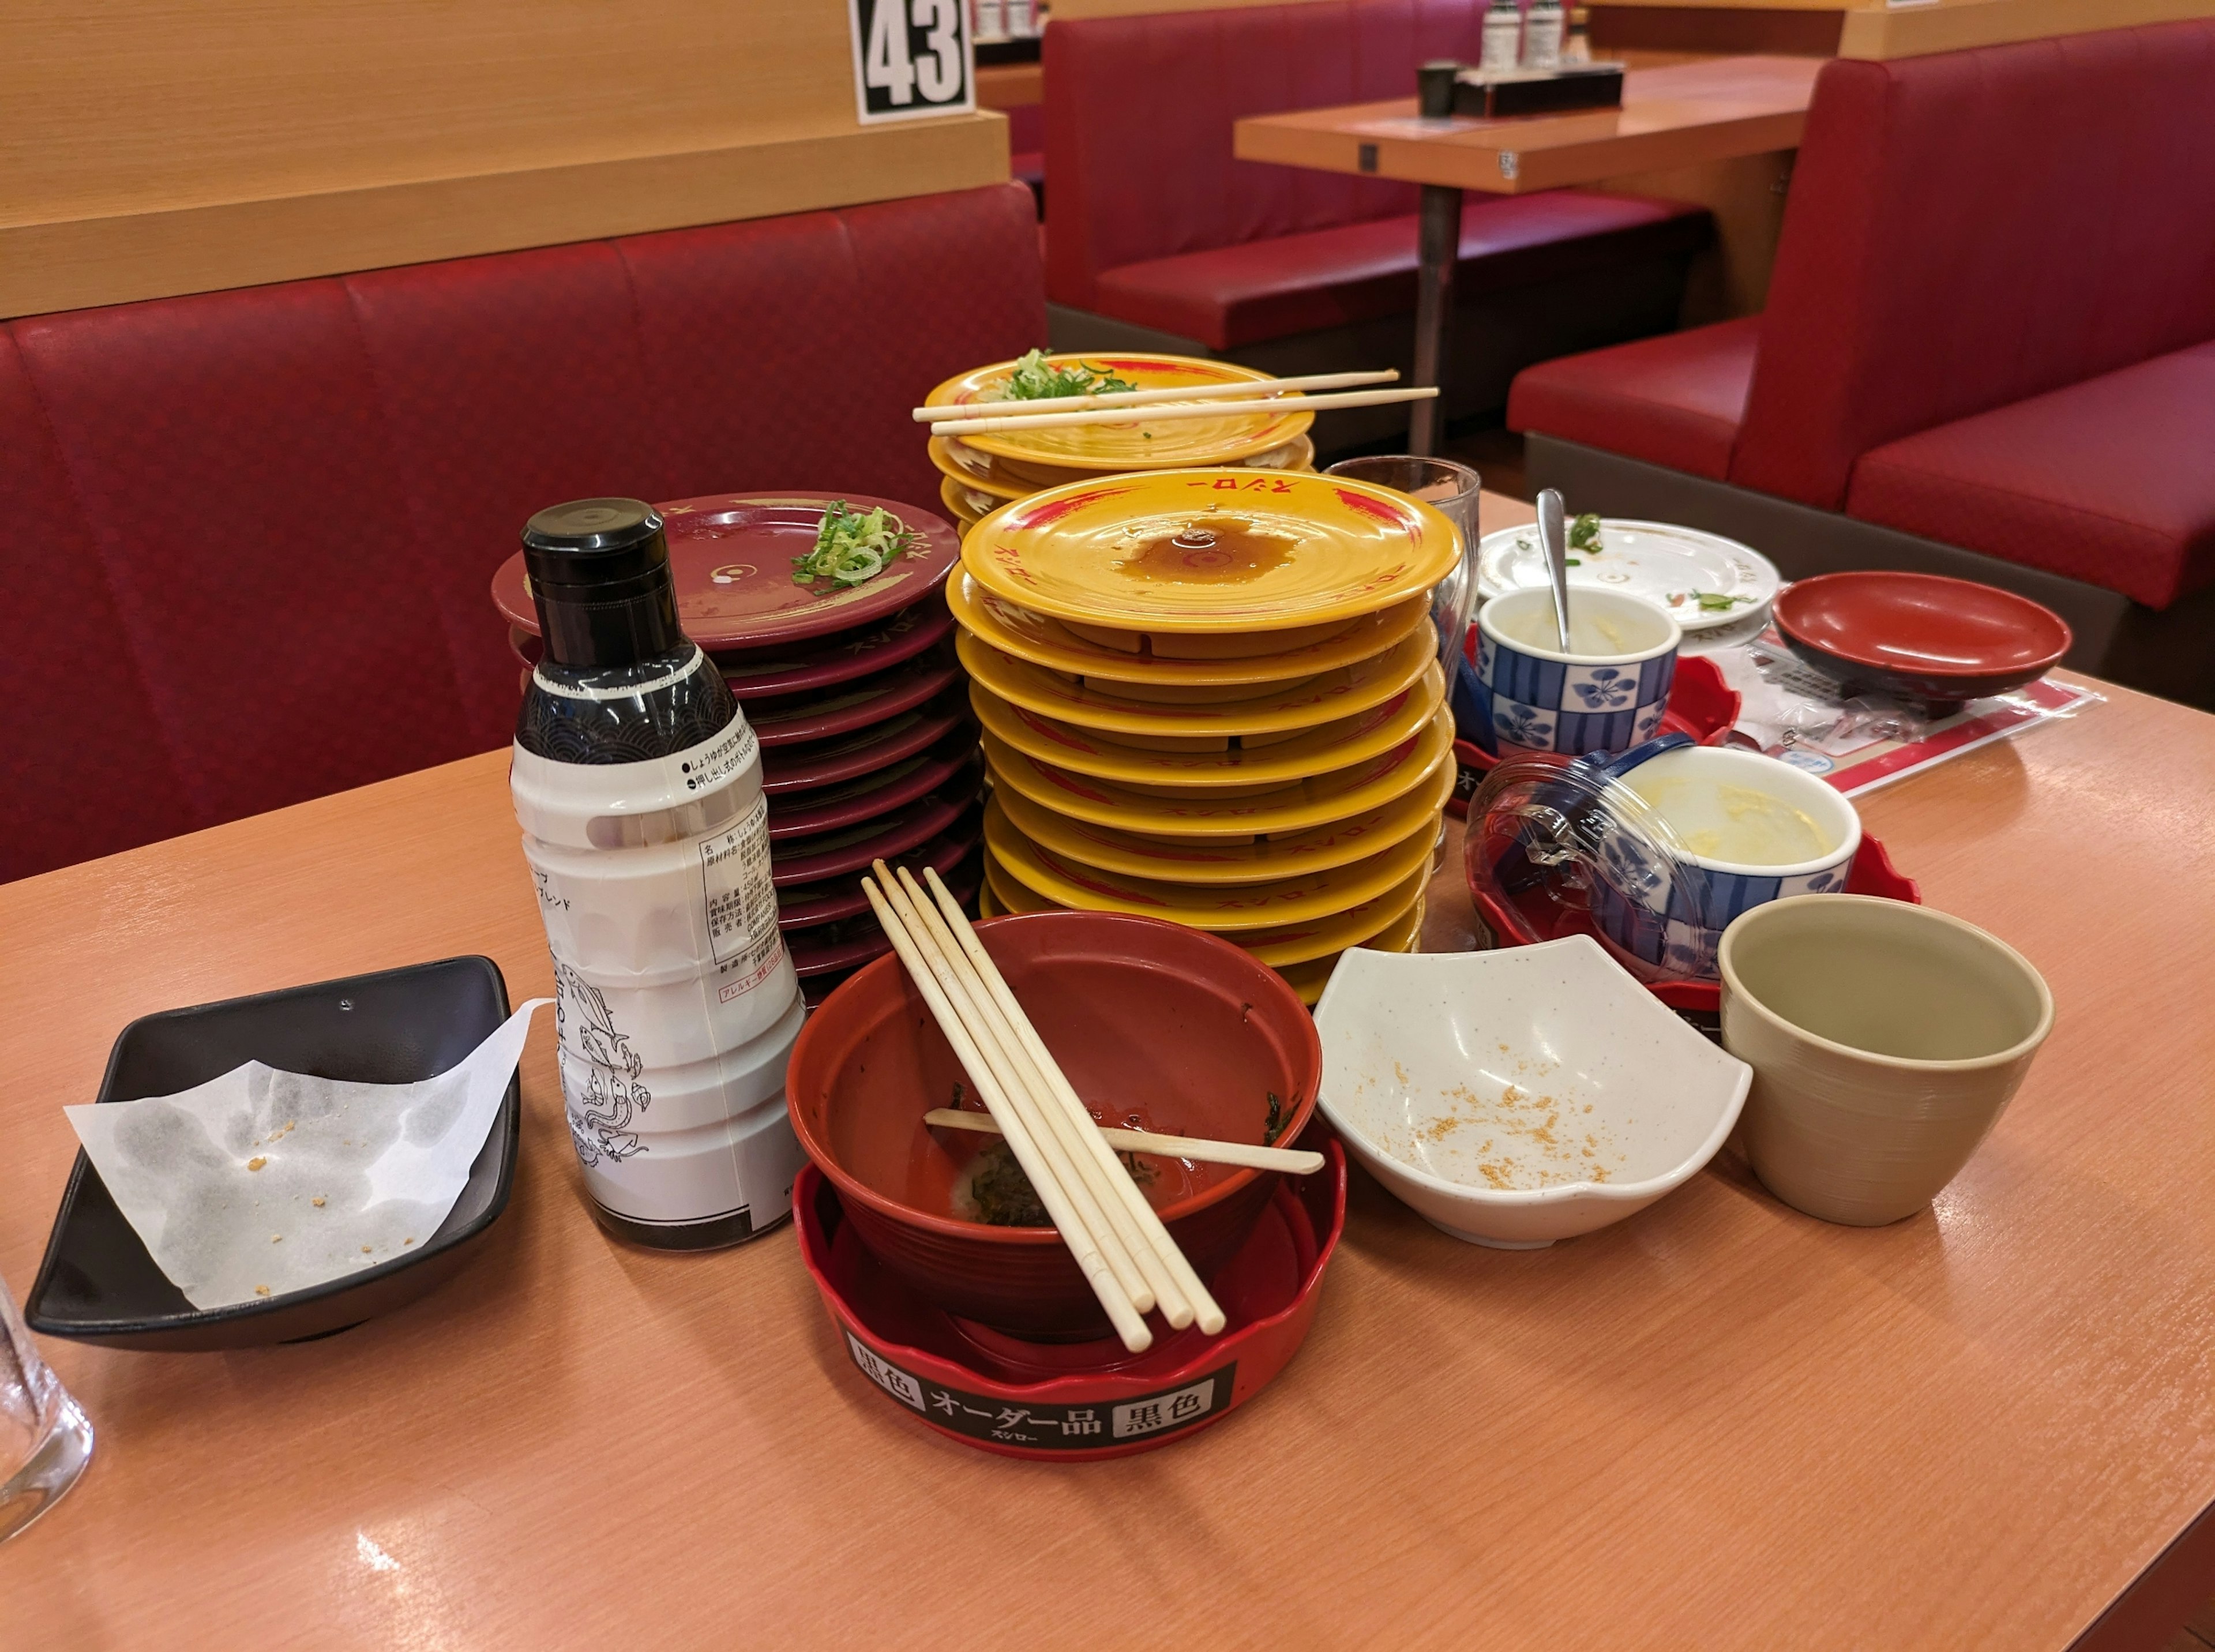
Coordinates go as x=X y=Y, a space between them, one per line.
x=1798 y=714
x=263 y=1182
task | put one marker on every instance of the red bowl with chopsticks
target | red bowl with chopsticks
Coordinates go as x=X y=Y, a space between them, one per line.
x=1165 y=1027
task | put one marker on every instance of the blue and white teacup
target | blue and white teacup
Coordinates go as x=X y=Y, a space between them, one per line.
x=1605 y=694
x=1705 y=837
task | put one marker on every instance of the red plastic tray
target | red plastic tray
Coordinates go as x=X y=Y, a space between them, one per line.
x=1701 y=705
x=949 y=808
x=803 y=906
x=1872 y=874
x=806 y=813
x=1078 y=1402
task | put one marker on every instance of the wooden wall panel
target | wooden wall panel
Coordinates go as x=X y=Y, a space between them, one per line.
x=156 y=146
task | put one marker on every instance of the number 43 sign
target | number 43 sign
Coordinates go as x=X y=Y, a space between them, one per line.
x=911 y=58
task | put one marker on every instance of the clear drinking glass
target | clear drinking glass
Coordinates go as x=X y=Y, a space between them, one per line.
x=1452 y=490
x=44 y=1438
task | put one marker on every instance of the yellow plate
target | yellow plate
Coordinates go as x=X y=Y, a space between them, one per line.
x=1279 y=948
x=963 y=464
x=1217 y=907
x=965 y=501
x=1308 y=980
x=1298 y=806
x=1222 y=552
x=1130 y=447
x=1335 y=744
x=1044 y=642
x=1326 y=697
x=1219 y=861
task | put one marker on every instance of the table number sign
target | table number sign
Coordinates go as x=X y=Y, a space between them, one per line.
x=911 y=58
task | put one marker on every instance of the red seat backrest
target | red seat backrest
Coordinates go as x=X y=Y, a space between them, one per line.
x=250 y=535
x=1139 y=112
x=1971 y=229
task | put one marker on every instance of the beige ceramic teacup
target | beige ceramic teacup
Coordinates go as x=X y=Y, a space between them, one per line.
x=1885 y=1039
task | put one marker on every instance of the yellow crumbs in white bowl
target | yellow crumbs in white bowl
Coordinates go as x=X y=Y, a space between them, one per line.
x=1516 y=1122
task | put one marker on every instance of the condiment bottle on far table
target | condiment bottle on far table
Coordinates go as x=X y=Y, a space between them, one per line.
x=1503 y=38
x=1542 y=36
x=637 y=782
x=1577 y=49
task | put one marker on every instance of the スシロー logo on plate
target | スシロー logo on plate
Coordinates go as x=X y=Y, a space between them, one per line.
x=910 y=58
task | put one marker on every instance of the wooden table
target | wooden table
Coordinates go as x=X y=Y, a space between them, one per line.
x=1718 y=1424
x=1671 y=118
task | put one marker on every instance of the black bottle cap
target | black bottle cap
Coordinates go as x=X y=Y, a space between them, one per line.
x=1434 y=85
x=599 y=575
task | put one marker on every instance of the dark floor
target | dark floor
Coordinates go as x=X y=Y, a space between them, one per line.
x=1496 y=456
x=2197 y=1636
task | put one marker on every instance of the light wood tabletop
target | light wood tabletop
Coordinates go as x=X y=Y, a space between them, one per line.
x=1718 y=1424
x=1681 y=115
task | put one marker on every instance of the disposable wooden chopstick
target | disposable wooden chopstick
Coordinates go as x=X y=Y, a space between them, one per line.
x=1129 y=1326
x=1070 y=1134
x=1089 y=1195
x=1205 y=1309
x=1199 y=1149
x=1187 y=409
x=1092 y=1200
x=1167 y=393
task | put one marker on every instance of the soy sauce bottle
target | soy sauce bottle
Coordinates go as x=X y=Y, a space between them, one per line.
x=637 y=783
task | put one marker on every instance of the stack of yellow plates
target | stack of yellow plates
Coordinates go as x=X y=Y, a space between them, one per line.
x=979 y=474
x=1212 y=696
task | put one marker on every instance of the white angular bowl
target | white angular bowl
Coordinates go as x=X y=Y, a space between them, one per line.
x=1463 y=1081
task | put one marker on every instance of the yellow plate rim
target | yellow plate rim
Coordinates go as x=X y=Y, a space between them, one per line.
x=1379 y=728
x=941 y=451
x=1433 y=749
x=1059 y=833
x=1371 y=635
x=1396 y=669
x=1369 y=878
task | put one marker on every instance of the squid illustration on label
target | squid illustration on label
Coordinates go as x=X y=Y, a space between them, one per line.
x=600 y=1118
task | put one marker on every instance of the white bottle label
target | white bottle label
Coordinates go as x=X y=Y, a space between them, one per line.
x=1503 y=40
x=1541 y=39
x=991 y=22
x=741 y=903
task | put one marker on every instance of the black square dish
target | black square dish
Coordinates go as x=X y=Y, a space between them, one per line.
x=99 y=1284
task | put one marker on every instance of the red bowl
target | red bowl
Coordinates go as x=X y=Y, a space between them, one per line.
x=1918 y=636
x=1181 y=1029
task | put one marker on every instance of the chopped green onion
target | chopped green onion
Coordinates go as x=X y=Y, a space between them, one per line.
x=851 y=546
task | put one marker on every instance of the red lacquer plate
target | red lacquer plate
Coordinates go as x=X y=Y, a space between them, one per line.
x=841 y=948
x=839 y=658
x=1919 y=637
x=1701 y=705
x=803 y=905
x=731 y=555
x=794 y=719
x=810 y=860
x=833 y=808
x=1073 y=1402
x=826 y=762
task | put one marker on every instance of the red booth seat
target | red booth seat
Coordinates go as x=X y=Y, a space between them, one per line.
x=2111 y=482
x=249 y=535
x=1154 y=222
x=1991 y=324
x=1227 y=297
x=1675 y=401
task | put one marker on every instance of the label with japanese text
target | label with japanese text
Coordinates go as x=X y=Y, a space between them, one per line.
x=1049 y=1428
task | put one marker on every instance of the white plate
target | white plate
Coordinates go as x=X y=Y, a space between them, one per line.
x=1655 y=560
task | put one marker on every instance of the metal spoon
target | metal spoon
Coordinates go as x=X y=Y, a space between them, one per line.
x=1552 y=537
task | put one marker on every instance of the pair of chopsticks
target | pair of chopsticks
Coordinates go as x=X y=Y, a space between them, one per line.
x=1176 y=402
x=1127 y=1254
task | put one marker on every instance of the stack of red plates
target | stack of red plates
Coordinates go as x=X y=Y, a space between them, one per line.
x=868 y=747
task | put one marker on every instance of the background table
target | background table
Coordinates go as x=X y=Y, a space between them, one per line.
x=1673 y=120
x=1718 y=1424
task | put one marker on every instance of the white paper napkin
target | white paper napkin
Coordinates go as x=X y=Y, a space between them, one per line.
x=263 y=1181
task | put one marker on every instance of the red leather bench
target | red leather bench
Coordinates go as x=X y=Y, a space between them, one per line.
x=1989 y=349
x=248 y=535
x=1155 y=236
